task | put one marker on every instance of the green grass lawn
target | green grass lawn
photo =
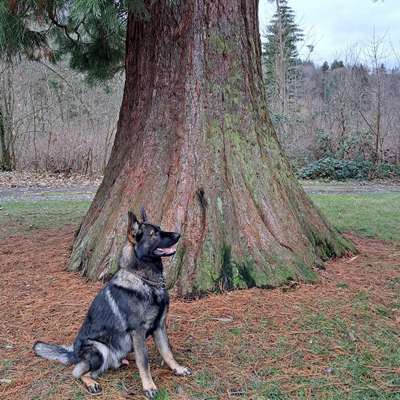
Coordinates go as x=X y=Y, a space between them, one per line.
x=25 y=217
x=370 y=215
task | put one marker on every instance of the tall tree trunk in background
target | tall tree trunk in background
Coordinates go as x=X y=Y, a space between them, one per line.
x=282 y=61
x=196 y=147
x=6 y=159
x=378 y=120
x=7 y=155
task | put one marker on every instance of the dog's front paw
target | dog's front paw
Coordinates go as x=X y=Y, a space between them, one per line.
x=151 y=393
x=182 y=371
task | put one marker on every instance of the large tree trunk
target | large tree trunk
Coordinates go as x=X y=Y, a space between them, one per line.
x=196 y=147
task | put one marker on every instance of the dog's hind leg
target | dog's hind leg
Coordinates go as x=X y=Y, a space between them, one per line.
x=142 y=362
x=91 y=365
x=81 y=372
x=161 y=339
x=81 y=368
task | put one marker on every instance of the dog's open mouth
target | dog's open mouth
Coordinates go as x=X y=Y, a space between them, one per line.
x=165 y=251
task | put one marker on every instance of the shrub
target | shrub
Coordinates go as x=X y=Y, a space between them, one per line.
x=332 y=168
x=388 y=171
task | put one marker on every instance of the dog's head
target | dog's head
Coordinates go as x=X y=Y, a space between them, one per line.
x=148 y=239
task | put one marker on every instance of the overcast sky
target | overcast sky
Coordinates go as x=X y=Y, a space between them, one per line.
x=334 y=26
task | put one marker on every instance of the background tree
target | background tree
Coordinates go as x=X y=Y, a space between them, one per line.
x=15 y=39
x=280 y=53
x=325 y=66
x=194 y=143
x=52 y=119
x=340 y=113
x=7 y=133
x=337 y=64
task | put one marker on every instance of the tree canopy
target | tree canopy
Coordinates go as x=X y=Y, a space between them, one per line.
x=90 y=32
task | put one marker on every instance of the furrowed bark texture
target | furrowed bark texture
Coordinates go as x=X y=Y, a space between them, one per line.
x=195 y=146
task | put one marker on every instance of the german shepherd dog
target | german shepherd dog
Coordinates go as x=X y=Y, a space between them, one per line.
x=132 y=306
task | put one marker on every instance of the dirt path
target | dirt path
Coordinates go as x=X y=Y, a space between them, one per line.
x=87 y=192
x=40 y=193
x=353 y=187
x=237 y=343
x=31 y=186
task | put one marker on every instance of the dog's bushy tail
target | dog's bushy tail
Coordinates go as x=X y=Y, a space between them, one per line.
x=55 y=352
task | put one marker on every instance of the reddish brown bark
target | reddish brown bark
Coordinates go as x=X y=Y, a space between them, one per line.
x=196 y=147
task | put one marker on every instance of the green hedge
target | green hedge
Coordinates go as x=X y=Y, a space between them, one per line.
x=332 y=168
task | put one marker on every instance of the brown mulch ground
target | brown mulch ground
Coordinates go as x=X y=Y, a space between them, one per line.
x=39 y=300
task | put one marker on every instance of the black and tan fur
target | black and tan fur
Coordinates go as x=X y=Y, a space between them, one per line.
x=132 y=306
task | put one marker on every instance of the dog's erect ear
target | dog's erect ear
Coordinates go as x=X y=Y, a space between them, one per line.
x=143 y=214
x=133 y=227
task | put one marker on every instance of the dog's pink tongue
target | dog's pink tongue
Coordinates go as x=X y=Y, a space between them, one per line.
x=167 y=250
